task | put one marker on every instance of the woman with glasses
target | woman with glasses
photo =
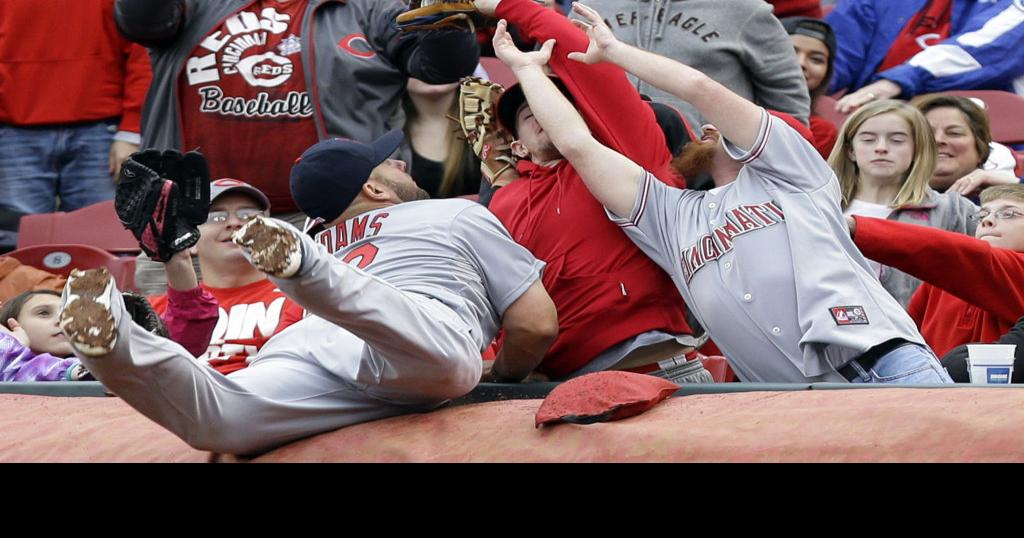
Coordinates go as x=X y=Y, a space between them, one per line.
x=884 y=159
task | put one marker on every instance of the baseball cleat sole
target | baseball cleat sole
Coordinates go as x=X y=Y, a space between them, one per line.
x=273 y=249
x=87 y=319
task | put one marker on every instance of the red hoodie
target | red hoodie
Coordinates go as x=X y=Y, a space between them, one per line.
x=605 y=289
x=794 y=8
x=972 y=291
x=63 y=61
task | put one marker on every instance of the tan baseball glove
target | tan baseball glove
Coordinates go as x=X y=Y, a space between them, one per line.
x=479 y=124
x=436 y=14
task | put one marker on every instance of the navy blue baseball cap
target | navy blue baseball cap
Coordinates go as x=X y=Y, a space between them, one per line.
x=328 y=176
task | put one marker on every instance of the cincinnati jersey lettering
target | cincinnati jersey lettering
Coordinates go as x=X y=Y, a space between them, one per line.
x=241 y=46
x=738 y=221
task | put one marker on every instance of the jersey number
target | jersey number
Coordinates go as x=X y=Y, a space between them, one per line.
x=365 y=254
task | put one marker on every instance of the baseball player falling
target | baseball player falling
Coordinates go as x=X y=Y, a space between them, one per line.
x=766 y=262
x=403 y=297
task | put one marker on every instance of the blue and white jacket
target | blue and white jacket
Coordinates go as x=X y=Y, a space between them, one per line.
x=985 y=49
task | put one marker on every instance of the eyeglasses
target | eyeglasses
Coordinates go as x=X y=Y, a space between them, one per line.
x=1002 y=214
x=245 y=214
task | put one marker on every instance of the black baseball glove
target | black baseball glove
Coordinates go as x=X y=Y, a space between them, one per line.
x=162 y=198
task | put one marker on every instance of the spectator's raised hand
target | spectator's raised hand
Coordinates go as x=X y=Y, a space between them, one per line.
x=972 y=184
x=506 y=51
x=880 y=89
x=16 y=331
x=602 y=40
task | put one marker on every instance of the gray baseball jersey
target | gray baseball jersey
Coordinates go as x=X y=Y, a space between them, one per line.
x=454 y=251
x=767 y=263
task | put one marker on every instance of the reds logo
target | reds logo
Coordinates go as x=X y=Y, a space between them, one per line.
x=357 y=45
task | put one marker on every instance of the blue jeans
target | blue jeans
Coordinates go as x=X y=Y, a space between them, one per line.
x=909 y=364
x=40 y=164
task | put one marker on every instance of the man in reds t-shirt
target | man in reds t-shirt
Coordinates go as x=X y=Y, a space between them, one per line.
x=252 y=84
x=252 y=309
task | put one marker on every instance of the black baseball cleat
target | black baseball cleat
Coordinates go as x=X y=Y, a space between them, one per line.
x=273 y=249
x=86 y=318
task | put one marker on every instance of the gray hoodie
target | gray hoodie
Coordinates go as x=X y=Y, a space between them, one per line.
x=739 y=43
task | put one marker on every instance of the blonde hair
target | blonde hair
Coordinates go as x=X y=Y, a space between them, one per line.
x=1013 y=192
x=458 y=164
x=914 y=189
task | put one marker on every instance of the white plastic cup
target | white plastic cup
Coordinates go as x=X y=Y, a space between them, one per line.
x=991 y=364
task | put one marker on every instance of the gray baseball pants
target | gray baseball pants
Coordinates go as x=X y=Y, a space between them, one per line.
x=368 y=351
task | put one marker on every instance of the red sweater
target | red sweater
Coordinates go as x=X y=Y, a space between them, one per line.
x=973 y=292
x=605 y=289
x=63 y=61
x=825 y=135
x=793 y=8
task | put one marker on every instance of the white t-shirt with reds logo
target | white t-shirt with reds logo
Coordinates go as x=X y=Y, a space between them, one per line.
x=249 y=316
x=244 y=99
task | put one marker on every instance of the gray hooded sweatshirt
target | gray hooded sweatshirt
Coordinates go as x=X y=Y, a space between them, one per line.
x=739 y=43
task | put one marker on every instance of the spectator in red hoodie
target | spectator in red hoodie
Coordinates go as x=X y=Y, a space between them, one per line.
x=972 y=289
x=616 y=308
x=70 y=99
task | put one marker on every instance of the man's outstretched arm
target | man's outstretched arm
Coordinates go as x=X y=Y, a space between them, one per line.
x=612 y=178
x=735 y=117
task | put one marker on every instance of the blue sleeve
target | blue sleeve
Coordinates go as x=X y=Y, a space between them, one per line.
x=851 y=21
x=984 y=52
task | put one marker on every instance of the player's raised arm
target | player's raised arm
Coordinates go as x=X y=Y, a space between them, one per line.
x=612 y=178
x=735 y=117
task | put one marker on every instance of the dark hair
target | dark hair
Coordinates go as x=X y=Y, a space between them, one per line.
x=820 y=30
x=976 y=117
x=12 y=308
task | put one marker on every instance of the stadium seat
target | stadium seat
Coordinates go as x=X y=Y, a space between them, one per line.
x=62 y=258
x=1005 y=113
x=825 y=107
x=1019 y=170
x=719 y=369
x=95 y=225
x=497 y=71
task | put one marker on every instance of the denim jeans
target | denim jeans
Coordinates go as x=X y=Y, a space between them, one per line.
x=40 y=164
x=909 y=364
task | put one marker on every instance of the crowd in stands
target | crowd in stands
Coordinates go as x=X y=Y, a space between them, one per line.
x=922 y=190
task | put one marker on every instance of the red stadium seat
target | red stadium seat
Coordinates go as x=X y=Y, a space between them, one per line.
x=825 y=107
x=96 y=225
x=1005 y=113
x=498 y=72
x=719 y=369
x=61 y=259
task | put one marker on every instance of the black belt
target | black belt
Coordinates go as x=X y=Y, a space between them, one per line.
x=870 y=357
